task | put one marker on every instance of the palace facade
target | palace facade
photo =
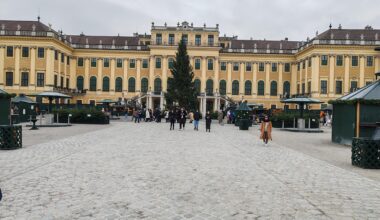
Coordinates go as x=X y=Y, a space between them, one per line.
x=36 y=58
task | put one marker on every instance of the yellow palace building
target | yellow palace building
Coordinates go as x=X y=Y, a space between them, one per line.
x=36 y=58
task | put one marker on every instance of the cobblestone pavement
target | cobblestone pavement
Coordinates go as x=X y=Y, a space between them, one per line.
x=145 y=171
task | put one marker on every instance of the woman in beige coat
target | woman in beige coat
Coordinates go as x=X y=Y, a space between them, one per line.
x=266 y=130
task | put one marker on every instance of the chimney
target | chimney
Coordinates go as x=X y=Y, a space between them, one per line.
x=340 y=27
x=286 y=39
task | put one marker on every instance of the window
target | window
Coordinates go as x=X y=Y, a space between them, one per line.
x=93 y=62
x=131 y=84
x=324 y=60
x=9 y=51
x=248 y=67
x=209 y=87
x=62 y=57
x=222 y=87
x=210 y=64
x=223 y=66
x=197 y=85
x=303 y=88
x=171 y=39
x=370 y=61
x=309 y=86
x=9 y=79
x=40 y=79
x=287 y=67
x=119 y=84
x=93 y=83
x=260 y=88
x=338 y=87
x=235 y=87
x=158 y=63
x=158 y=39
x=286 y=89
x=24 y=78
x=210 y=40
x=144 y=85
x=274 y=67
x=170 y=63
x=106 y=84
x=298 y=88
x=339 y=60
x=106 y=62
x=157 y=86
x=41 y=52
x=323 y=87
x=248 y=88
x=236 y=66
x=56 y=54
x=132 y=63
x=68 y=60
x=354 y=61
x=304 y=64
x=61 y=82
x=80 y=83
x=298 y=66
x=92 y=102
x=354 y=86
x=309 y=61
x=25 y=51
x=55 y=80
x=80 y=61
x=368 y=82
x=197 y=64
x=273 y=88
x=145 y=63
x=198 y=40
x=119 y=63
x=67 y=83
x=261 y=67
x=185 y=38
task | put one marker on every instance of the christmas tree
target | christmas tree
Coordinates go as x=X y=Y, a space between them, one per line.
x=181 y=88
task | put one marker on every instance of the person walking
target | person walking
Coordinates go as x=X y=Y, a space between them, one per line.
x=196 y=120
x=182 y=118
x=172 y=118
x=266 y=130
x=208 y=121
x=191 y=117
x=166 y=116
x=147 y=115
x=137 y=116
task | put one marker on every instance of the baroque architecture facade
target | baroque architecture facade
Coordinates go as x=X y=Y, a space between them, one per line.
x=36 y=58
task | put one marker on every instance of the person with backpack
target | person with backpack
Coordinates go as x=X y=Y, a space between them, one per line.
x=172 y=118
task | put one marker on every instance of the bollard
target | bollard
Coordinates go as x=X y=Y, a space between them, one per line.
x=309 y=123
x=283 y=124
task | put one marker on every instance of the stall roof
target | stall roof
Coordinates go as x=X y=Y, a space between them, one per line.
x=22 y=98
x=302 y=100
x=369 y=92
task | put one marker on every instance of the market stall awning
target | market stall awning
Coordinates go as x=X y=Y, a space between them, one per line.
x=243 y=107
x=104 y=101
x=22 y=98
x=369 y=92
x=49 y=94
x=302 y=100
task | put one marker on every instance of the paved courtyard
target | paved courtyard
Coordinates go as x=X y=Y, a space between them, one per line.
x=145 y=171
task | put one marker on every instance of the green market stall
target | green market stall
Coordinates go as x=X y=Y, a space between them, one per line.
x=356 y=114
x=243 y=114
x=10 y=135
x=26 y=107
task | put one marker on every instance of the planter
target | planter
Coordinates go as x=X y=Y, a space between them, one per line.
x=10 y=137
x=365 y=153
x=244 y=124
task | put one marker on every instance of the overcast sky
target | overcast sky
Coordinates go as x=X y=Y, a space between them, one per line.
x=259 y=19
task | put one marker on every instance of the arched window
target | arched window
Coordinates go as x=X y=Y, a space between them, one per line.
x=286 y=89
x=93 y=83
x=273 y=88
x=248 y=88
x=131 y=84
x=144 y=85
x=222 y=87
x=209 y=87
x=119 y=84
x=157 y=85
x=80 y=82
x=197 y=85
x=260 y=88
x=106 y=84
x=235 y=87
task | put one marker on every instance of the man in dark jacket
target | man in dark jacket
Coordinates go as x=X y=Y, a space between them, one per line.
x=172 y=118
x=182 y=118
x=196 y=120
